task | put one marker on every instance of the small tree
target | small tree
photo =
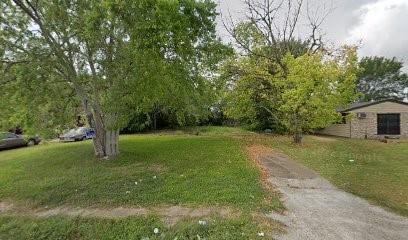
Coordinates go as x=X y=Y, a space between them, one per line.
x=314 y=89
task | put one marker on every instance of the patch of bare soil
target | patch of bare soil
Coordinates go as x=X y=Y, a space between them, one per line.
x=173 y=214
x=318 y=210
x=158 y=168
x=282 y=166
x=170 y=214
x=5 y=207
x=256 y=152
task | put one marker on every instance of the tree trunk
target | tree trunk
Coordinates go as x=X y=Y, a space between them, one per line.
x=154 y=121
x=297 y=138
x=106 y=142
x=111 y=143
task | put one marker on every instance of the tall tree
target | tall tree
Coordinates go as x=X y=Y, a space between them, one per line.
x=303 y=98
x=254 y=99
x=264 y=38
x=271 y=27
x=314 y=89
x=382 y=78
x=115 y=56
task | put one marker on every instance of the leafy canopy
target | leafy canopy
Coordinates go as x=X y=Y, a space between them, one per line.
x=315 y=88
x=109 y=59
x=381 y=78
x=301 y=99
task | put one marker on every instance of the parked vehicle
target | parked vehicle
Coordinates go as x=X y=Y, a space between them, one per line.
x=78 y=134
x=11 y=140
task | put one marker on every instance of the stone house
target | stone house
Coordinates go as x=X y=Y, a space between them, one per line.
x=372 y=120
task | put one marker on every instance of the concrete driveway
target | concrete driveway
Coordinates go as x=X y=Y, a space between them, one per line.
x=318 y=210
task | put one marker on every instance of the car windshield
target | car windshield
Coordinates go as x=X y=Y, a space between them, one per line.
x=76 y=131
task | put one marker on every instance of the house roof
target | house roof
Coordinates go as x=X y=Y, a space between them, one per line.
x=358 y=105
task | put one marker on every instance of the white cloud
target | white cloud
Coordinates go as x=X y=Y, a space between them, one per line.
x=380 y=25
x=382 y=28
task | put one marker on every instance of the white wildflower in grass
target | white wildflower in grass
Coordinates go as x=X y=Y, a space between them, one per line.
x=127 y=192
x=156 y=230
x=135 y=183
x=154 y=177
x=261 y=234
x=351 y=160
x=202 y=222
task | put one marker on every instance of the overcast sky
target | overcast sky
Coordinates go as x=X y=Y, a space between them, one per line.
x=380 y=26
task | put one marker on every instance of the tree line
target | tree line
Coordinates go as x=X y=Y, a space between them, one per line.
x=134 y=65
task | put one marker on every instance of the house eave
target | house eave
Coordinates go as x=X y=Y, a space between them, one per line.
x=371 y=104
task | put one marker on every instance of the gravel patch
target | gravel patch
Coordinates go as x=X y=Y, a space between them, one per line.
x=319 y=210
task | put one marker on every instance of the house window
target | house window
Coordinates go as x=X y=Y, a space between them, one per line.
x=388 y=124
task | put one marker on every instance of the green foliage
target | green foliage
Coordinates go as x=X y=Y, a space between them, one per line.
x=382 y=78
x=247 y=34
x=32 y=101
x=115 y=58
x=163 y=117
x=251 y=93
x=315 y=88
x=302 y=97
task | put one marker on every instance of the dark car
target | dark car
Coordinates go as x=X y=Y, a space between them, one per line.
x=12 y=140
x=78 y=134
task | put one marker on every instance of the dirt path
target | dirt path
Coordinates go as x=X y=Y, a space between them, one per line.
x=318 y=210
x=170 y=214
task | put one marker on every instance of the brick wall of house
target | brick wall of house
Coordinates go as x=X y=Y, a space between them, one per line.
x=362 y=128
x=404 y=125
x=367 y=128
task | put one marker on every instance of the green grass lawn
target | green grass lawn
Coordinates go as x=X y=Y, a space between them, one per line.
x=207 y=167
x=379 y=172
x=130 y=228
x=193 y=167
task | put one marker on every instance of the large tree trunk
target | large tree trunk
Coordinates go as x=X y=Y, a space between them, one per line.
x=106 y=141
x=111 y=147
